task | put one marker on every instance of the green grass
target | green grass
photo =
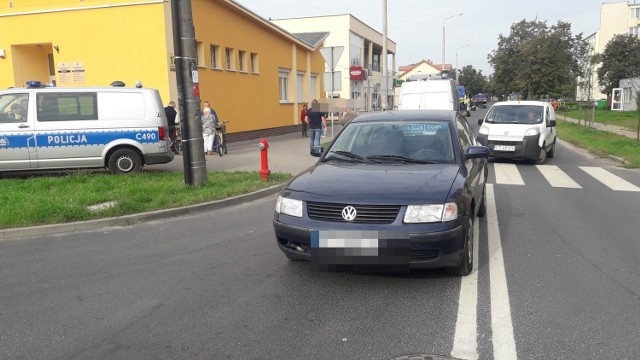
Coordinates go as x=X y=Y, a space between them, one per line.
x=43 y=200
x=601 y=142
x=625 y=119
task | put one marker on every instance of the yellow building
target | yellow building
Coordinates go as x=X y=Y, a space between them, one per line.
x=255 y=74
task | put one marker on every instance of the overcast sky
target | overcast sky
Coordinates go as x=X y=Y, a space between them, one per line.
x=416 y=25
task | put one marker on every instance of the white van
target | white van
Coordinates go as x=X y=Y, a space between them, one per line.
x=519 y=130
x=119 y=128
x=431 y=93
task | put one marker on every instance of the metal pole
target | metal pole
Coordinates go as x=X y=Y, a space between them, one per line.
x=443 y=37
x=385 y=81
x=332 y=87
x=195 y=169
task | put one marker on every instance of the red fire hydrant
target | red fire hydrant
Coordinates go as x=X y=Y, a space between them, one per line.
x=264 y=162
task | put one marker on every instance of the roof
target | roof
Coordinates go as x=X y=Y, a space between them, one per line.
x=408 y=68
x=314 y=39
x=521 y=102
x=411 y=115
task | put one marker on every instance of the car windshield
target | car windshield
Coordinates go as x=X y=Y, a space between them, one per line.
x=402 y=142
x=515 y=114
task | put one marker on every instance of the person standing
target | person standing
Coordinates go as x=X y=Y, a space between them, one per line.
x=207 y=105
x=303 y=120
x=170 y=112
x=317 y=124
x=208 y=130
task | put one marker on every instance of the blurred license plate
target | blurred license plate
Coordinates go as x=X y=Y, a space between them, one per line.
x=341 y=239
x=504 y=148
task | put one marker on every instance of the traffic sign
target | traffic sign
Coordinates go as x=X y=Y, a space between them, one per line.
x=331 y=55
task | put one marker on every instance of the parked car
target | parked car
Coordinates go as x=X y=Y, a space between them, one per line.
x=520 y=130
x=411 y=184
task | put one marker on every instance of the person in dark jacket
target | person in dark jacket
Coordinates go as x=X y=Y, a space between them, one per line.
x=317 y=125
x=171 y=113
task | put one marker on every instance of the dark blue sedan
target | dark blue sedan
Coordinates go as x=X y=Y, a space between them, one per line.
x=397 y=189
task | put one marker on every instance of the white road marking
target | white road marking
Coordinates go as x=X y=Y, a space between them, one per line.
x=504 y=345
x=507 y=174
x=557 y=177
x=612 y=181
x=465 y=343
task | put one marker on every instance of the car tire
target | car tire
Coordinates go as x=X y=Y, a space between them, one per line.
x=482 y=211
x=552 y=152
x=124 y=161
x=466 y=265
x=542 y=156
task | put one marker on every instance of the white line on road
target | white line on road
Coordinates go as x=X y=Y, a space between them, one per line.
x=507 y=174
x=557 y=177
x=612 y=181
x=465 y=343
x=504 y=345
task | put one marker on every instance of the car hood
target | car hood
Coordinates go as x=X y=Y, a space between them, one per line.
x=374 y=184
x=509 y=132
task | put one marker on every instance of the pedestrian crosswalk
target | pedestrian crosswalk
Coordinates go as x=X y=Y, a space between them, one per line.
x=510 y=174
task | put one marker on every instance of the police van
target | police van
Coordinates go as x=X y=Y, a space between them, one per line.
x=119 y=128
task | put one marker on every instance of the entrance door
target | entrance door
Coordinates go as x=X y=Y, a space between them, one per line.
x=17 y=142
x=616 y=99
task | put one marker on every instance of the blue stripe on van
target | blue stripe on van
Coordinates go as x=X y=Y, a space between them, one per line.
x=78 y=138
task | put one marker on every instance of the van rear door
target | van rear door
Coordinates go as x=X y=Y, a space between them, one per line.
x=17 y=138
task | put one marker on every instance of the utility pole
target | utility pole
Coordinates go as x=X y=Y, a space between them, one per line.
x=385 y=81
x=185 y=51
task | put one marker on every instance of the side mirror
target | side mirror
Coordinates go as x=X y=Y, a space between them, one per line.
x=316 y=151
x=552 y=123
x=476 y=152
x=480 y=121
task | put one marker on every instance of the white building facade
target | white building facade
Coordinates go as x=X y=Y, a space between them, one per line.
x=362 y=53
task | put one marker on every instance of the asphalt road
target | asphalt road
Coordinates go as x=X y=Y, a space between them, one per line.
x=557 y=278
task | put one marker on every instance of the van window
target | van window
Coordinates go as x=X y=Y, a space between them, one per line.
x=121 y=106
x=70 y=106
x=515 y=114
x=13 y=107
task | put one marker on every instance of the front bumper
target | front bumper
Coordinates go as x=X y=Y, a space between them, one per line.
x=525 y=149
x=420 y=246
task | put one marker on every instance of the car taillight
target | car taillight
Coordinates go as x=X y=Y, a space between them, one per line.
x=162 y=133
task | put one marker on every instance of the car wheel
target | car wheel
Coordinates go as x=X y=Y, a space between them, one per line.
x=552 y=152
x=482 y=211
x=124 y=161
x=466 y=265
x=542 y=156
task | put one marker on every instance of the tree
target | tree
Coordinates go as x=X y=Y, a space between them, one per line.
x=537 y=60
x=473 y=80
x=620 y=60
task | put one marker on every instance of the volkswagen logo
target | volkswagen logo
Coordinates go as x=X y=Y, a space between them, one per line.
x=349 y=213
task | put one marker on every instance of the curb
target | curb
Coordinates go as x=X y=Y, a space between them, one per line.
x=128 y=220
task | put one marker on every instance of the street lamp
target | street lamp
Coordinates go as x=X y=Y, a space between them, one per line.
x=457 y=71
x=443 y=38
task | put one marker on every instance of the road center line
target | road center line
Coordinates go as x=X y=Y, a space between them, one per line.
x=504 y=346
x=465 y=343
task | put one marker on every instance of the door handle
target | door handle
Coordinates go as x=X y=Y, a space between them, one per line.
x=24 y=126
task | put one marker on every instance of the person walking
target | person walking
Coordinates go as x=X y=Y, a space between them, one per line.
x=207 y=105
x=170 y=112
x=303 y=120
x=208 y=130
x=317 y=124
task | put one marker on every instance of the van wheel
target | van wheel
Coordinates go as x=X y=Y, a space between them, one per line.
x=552 y=152
x=542 y=157
x=466 y=265
x=125 y=161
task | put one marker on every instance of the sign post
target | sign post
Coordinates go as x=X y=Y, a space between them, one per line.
x=331 y=56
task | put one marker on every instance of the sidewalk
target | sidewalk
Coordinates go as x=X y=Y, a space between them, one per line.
x=600 y=126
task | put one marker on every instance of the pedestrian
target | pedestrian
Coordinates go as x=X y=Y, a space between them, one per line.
x=303 y=120
x=208 y=130
x=555 y=104
x=317 y=124
x=207 y=105
x=171 y=113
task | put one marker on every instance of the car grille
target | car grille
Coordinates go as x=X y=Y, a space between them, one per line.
x=422 y=255
x=366 y=214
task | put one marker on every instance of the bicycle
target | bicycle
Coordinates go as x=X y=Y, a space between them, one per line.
x=221 y=128
x=176 y=145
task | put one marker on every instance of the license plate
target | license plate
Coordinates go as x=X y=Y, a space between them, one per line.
x=504 y=148
x=340 y=239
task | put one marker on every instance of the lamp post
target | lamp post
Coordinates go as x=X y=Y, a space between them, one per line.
x=443 y=37
x=457 y=71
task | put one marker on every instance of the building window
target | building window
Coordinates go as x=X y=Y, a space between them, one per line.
x=242 y=61
x=356 y=89
x=634 y=13
x=254 y=63
x=229 y=59
x=375 y=65
x=314 y=84
x=356 y=49
x=200 y=51
x=300 y=83
x=215 y=56
x=283 y=77
x=634 y=30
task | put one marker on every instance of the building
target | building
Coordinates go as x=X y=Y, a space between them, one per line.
x=362 y=53
x=256 y=74
x=626 y=98
x=616 y=18
x=423 y=67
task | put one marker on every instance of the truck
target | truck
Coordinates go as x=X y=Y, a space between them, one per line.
x=480 y=100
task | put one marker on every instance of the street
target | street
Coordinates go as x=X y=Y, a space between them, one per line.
x=557 y=278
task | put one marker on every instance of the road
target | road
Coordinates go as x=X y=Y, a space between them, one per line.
x=557 y=278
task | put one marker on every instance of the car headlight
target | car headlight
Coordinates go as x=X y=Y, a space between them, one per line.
x=289 y=206
x=431 y=213
x=484 y=130
x=532 y=132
